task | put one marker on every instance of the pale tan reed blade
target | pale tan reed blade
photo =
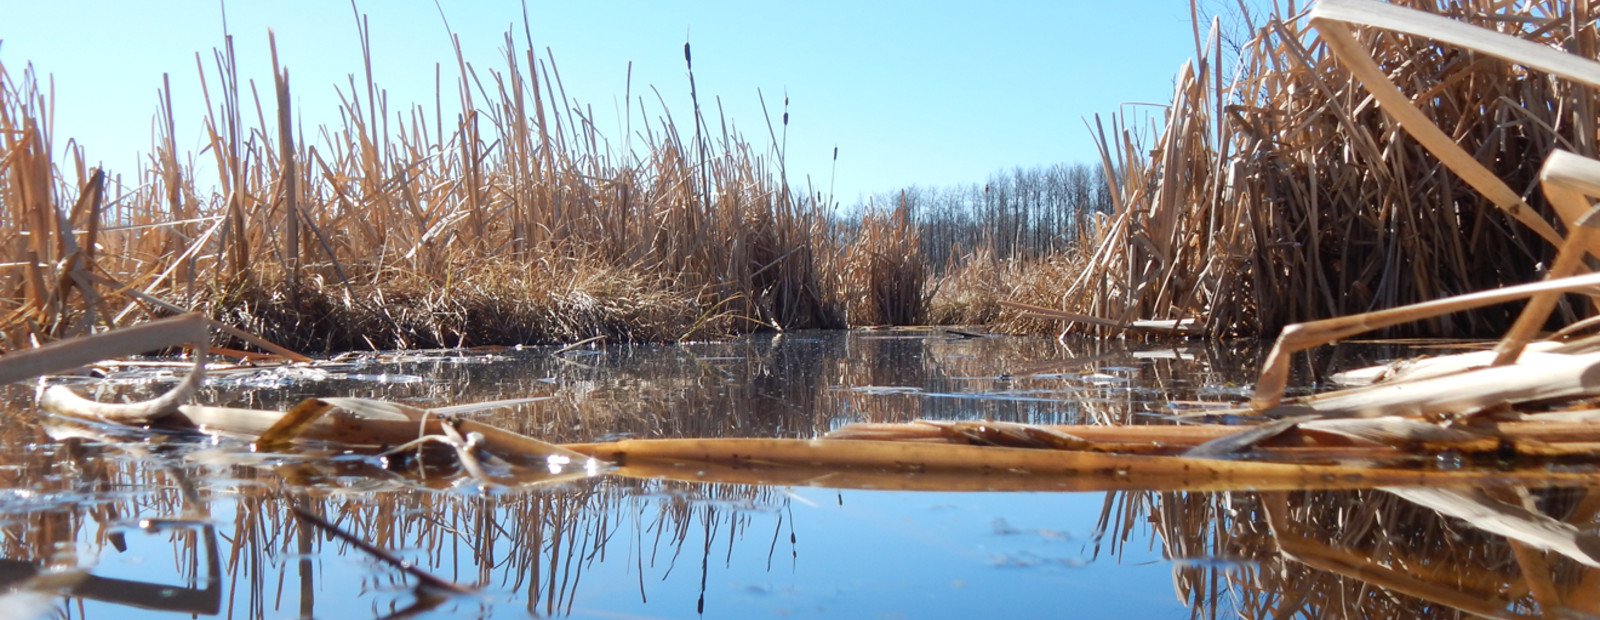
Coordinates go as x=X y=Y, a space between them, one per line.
x=190 y=329
x=337 y=426
x=1302 y=336
x=1436 y=366
x=1440 y=28
x=1566 y=179
x=488 y=404
x=1551 y=377
x=1407 y=432
x=57 y=357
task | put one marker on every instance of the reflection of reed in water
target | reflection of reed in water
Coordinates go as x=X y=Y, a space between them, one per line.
x=756 y=387
x=800 y=384
x=540 y=544
x=535 y=545
x=1371 y=553
x=68 y=502
x=1031 y=380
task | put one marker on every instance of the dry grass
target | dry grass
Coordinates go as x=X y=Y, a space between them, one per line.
x=514 y=222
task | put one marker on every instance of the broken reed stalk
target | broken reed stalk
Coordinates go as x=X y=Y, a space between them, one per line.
x=60 y=356
x=1275 y=369
x=1565 y=179
x=517 y=224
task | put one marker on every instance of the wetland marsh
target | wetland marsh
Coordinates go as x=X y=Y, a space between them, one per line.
x=1279 y=198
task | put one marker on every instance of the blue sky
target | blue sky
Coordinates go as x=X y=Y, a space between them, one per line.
x=931 y=93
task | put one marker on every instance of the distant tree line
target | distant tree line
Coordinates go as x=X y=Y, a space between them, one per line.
x=1021 y=213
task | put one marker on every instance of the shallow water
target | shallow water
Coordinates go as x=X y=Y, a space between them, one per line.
x=133 y=524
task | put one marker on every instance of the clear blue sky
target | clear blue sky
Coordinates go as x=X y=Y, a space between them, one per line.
x=930 y=93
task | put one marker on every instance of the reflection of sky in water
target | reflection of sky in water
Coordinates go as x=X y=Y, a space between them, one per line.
x=906 y=555
x=856 y=554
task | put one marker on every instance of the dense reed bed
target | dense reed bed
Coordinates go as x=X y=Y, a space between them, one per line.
x=888 y=273
x=1275 y=190
x=498 y=215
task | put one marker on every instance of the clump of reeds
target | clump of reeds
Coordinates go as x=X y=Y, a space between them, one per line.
x=1038 y=282
x=1276 y=192
x=515 y=222
x=970 y=289
x=885 y=272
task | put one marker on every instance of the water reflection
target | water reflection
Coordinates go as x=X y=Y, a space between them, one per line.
x=1370 y=554
x=114 y=523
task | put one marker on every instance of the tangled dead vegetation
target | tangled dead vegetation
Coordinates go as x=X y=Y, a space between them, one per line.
x=1342 y=169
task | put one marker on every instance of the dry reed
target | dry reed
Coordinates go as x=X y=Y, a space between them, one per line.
x=514 y=222
x=1278 y=193
x=885 y=274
